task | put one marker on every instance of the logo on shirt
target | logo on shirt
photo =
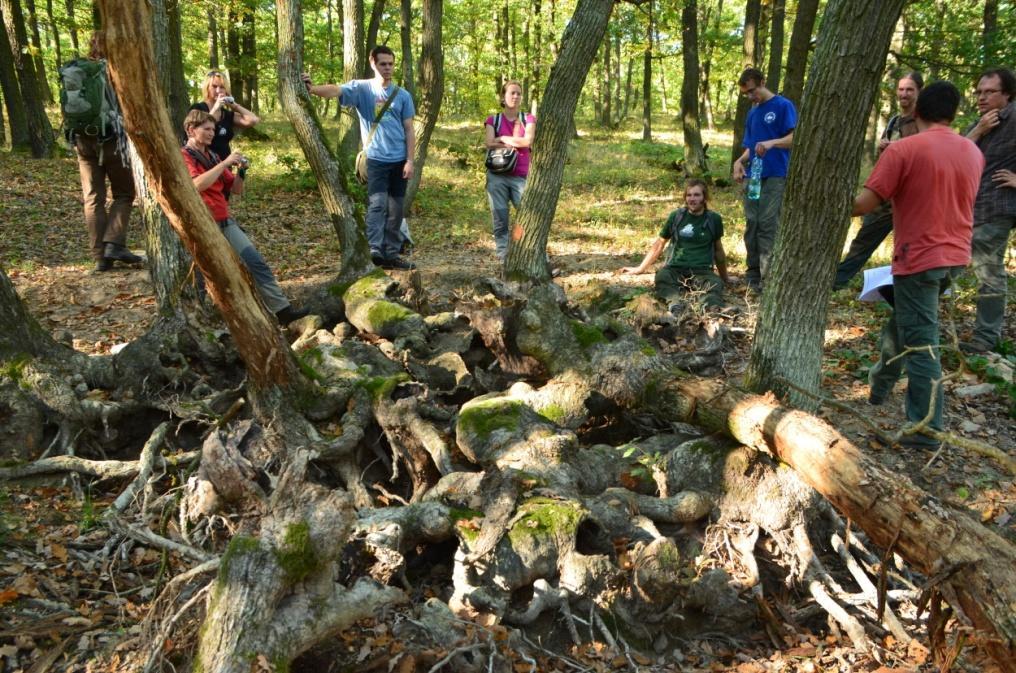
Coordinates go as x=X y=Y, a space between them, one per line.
x=687 y=231
x=770 y=117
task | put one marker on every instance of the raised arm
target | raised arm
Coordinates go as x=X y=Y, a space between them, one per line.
x=322 y=90
x=207 y=179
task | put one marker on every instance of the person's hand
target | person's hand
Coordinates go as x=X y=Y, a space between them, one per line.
x=988 y=121
x=234 y=159
x=738 y=171
x=1004 y=178
x=306 y=81
x=407 y=169
x=629 y=270
x=882 y=144
x=761 y=148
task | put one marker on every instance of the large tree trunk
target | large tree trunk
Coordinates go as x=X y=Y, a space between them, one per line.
x=20 y=333
x=377 y=12
x=432 y=92
x=40 y=132
x=213 y=39
x=797 y=54
x=749 y=58
x=354 y=63
x=270 y=363
x=248 y=46
x=54 y=33
x=332 y=180
x=72 y=25
x=776 y=45
x=707 y=66
x=694 y=155
x=169 y=60
x=406 y=40
x=990 y=38
x=13 y=102
x=820 y=188
x=527 y=250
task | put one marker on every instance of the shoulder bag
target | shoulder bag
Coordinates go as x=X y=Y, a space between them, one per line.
x=502 y=160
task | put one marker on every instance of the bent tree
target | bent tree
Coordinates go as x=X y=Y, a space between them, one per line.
x=852 y=49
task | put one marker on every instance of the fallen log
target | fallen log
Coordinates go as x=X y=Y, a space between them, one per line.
x=973 y=567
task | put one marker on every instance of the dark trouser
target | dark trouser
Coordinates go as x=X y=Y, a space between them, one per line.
x=991 y=239
x=386 y=190
x=762 y=216
x=674 y=283
x=875 y=226
x=104 y=227
x=914 y=325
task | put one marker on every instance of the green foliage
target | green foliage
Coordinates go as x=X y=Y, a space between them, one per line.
x=14 y=368
x=991 y=373
x=648 y=461
x=89 y=515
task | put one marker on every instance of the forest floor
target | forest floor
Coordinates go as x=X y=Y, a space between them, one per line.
x=617 y=193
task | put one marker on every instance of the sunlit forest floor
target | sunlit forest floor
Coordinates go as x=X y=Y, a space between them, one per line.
x=618 y=191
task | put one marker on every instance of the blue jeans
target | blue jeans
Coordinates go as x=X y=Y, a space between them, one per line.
x=503 y=190
x=914 y=324
x=988 y=248
x=386 y=190
x=762 y=220
x=263 y=277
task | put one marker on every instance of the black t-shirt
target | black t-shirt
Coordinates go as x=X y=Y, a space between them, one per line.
x=223 y=130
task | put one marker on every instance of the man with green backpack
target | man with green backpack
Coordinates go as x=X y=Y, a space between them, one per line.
x=93 y=126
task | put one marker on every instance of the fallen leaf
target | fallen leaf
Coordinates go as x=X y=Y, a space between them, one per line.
x=8 y=595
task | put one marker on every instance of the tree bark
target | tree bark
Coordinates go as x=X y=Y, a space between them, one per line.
x=776 y=45
x=249 y=57
x=406 y=40
x=820 y=188
x=40 y=133
x=72 y=25
x=990 y=35
x=332 y=180
x=647 y=76
x=536 y=56
x=695 y=162
x=20 y=333
x=269 y=360
x=213 y=40
x=527 y=251
x=15 y=104
x=377 y=13
x=432 y=92
x=749 y=58
x=55 y=30
x=977 y=566
x=707 y=66
x=797 y=54
x=234 y=61
x=169 y=60
x=354 y=66
x=40 y=66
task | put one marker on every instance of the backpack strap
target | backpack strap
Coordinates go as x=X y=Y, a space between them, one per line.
x=381 y=113
x=891 y=126
x=680 y=214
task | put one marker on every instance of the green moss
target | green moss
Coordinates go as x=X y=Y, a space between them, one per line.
x=545 y=517
x=587 y=335
x=382 y=313
x=485 y=417
x=339 y=289
x=306 y=361
x=553 y=412
x=296 y=553
x=381 y=387
x=465 y=514
x=14 y=367
x=371 y=286
x=646 y=348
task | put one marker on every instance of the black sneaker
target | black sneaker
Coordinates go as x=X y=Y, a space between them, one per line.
x=103 y=265
x=289 y=314
x=377 y=260
x=397 y=263
x=114 y=252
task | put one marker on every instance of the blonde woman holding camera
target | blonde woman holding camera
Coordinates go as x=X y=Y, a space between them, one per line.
x=227 y=113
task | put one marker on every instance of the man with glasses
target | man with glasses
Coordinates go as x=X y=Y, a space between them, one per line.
x=768 y=135
x=879 y=223
x=995 y=208
x=932 y=180
x=389 y=153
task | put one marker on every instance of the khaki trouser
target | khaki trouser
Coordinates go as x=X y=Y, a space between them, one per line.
x=104 y=226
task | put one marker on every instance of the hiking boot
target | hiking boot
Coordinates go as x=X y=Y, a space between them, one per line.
x=103 y=265
x=289 y=314
x=397 y=263
x=974 y=347
x=377 y=260
x=115 y=252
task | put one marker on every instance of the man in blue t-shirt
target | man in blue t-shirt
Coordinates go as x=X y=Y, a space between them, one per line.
x=768 y=135
x=389 y=153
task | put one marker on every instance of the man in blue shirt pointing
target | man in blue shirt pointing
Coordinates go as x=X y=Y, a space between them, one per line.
x=390 y=150
x=768 y=135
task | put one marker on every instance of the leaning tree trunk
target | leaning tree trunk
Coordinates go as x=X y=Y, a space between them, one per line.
x=750 y=54
x=270 y=363
x=695 y=162
x=428 y=107
x=820 y=187
x=40 y=132
x=333 y=181
x=527 y=251
x=12 y=93
x=797 y=54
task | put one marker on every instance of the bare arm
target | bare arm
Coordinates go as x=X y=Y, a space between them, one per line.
x=783 y=143
x=521 y=141
x=647 y=261
x=244 y=118
x=208 y=178
x=489 y=141
x=739 y=165
x=865 y=202
x=720 y=259
x=323 y=90
x=407 y=124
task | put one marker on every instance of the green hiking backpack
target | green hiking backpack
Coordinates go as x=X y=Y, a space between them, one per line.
x=86 y=99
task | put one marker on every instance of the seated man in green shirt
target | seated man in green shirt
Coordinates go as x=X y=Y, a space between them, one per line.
x=695 y=233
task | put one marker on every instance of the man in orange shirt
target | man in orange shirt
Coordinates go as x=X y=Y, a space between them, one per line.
x=932 y=180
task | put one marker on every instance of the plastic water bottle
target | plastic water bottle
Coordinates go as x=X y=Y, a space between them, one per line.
x=755 y=179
